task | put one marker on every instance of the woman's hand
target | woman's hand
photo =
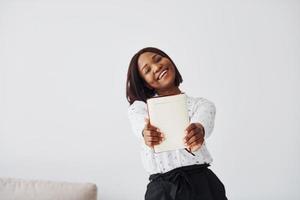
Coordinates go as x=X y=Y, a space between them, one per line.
x=194 y=137
x=152 y=135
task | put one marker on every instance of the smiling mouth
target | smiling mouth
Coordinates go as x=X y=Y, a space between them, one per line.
x=162 y=73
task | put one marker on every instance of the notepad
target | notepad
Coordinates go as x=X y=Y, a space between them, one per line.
x=170 y=115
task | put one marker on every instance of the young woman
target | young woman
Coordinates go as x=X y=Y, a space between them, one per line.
x=180 y=174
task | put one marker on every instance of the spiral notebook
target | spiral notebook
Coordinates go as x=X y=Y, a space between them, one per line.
x=170 y=115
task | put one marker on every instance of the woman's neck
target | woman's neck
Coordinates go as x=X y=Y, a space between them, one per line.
x=169 y=91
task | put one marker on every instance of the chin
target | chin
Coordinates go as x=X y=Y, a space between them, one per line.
x=168 y=83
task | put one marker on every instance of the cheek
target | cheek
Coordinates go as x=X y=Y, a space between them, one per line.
x=173 y=72
x=150 y=80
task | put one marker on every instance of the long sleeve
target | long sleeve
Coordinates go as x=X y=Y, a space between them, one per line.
x=137 y=112
x=199 y=110
x=204 y=113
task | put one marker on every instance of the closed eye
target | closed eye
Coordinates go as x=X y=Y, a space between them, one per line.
x=158 y=58
x=147 y=70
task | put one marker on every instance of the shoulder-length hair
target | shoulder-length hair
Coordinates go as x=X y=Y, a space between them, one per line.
x=136 y=88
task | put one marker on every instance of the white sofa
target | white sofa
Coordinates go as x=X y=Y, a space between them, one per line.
x=19 y=189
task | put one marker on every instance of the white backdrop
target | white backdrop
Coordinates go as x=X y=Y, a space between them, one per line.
x=63 y=110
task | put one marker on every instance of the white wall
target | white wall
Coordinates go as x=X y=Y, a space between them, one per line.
x=63 y=110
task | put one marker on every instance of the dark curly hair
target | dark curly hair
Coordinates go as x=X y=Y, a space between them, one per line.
x=136 y=88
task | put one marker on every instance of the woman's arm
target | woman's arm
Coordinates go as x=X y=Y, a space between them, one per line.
x=204 y=113
x=138 y=117
x=137 y=112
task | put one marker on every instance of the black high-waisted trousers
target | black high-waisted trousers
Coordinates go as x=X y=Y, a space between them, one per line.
x=195 y=182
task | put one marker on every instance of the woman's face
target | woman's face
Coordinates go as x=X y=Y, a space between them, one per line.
x=157 y=71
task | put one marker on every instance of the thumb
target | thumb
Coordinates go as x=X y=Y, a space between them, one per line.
x=147 y=121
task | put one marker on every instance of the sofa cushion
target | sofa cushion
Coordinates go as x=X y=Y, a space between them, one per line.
x=19 y=189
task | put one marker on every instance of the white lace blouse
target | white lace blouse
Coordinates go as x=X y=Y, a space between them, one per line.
x=200 y=110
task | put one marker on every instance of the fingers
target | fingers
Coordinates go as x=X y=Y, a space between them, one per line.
x=153 y=138
x=152 y=135
x=194 y=146
x=191 y=127
x=194 y=137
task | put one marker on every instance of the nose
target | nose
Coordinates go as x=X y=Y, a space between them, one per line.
x=157 y=67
